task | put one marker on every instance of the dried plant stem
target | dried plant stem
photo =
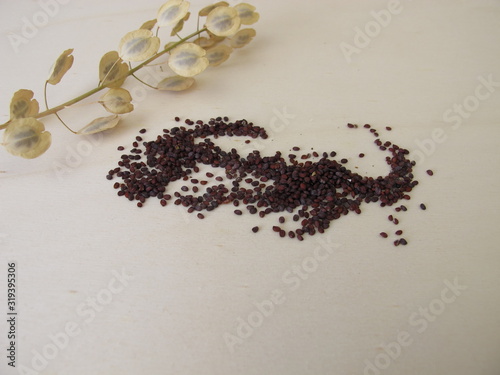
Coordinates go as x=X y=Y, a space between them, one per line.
x=69 y=103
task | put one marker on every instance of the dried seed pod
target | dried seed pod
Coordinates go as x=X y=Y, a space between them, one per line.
x=117 y=100
x=204 y=42
x=218 y=54
x=242 y=38
x=26 y=137
x=23 y=105
x=138 y=45
x=223 y=21
x=178 y=27
x=247 y=13
x=112 y=70
x=205 y=11
x=175 y=83
x=188 y=60
x=148 y=25
x=60 y=67
x=172 y=12
x=100 y=124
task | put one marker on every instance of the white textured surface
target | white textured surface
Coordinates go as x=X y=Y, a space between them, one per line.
x=194 y=280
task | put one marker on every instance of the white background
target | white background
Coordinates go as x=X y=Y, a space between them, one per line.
x=194 y=281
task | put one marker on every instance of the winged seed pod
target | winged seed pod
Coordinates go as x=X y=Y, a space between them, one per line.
x=60 y=67
x=223 y=21
x=175 y=83
x=100 y=124
x=218 y=54
x=148 y=25
x=172 y=12
x=27 y=138
x=23 y=105
x=117 y=101
x=188 y=60
x=242 y=38
x=111 y=68
x=138 y=45
x=205 y=11
x=247 y=13
x=178 y=28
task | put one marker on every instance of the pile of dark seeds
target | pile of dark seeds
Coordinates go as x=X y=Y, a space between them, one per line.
x=312 y=192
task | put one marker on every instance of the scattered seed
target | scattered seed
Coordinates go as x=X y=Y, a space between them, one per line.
x=383 y=234
x=422 y=206
x=430 y=172
x=255 y=229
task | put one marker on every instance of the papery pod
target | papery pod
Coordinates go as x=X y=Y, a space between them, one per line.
x=223 y=21
x=148 y=25
x=247 y=13
x=23 y=105
x=60 y=67
x=117 y=100
x=100 y=124
x=178 y=28
x=175 y=83
x=205 y=11
x=218 y=54
x=188 y=60
x=172 y=12
x=27 y=138
x=204 y=42
x=138 y=45
x=242 y=38
x=112 y=70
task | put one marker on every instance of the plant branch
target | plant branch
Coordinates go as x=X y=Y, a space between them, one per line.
x=95 y=90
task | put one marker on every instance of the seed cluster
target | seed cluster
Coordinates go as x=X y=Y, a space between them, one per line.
x=309 y=193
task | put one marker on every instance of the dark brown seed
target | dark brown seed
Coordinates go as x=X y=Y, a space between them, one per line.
x=399 y=232
x=390 y=218
x=163 y=202
x=395 y=221
x=402 y=241
x=200 y=216
x=142 y=131
x=388 y=128
x=139 y=204
x=383 y=234
x=361 y=155
x=120 y=148
x=296 y=148
x=422 y=206
x=255 y=229
x=276 y=228
x=430 y=172
x=281 y=219
x=397 y=242
x=177 y=119
x=238 y=212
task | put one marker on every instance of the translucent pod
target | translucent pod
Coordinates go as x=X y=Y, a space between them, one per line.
x=23 y=105
x=218 y=54
x=60 y=67
x=242 y=38
x=138 y=45
x=27 y=138
x=205 y=11
x=188 y=60
x=247 y=13
x=223 y=21
x=117 y=100
x=100 y=124
x=112 y=70
x=175 y=83
x=172 y=12
x=148 y=25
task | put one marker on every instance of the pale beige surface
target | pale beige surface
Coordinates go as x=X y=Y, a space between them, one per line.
x=195 y=281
